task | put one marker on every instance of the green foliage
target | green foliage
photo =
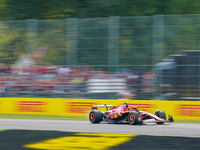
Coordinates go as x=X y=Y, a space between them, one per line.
x=37 y=9
x=12 y=43
x=135 y=34
x=51 y=9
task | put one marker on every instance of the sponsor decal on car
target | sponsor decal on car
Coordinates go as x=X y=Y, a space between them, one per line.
x=139 y=118
x=31 y=106
x=189 y=110
x=115 y=115
x=110 y=116
x=83 y=141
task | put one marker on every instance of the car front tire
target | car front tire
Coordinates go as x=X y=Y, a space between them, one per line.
x=134 y=118
x=160 y=114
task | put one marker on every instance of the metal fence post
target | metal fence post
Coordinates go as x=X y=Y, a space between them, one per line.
x=113 y=43
x=0 y=32
x=31 y=35
x=71 y=41
x=158 y=36
x=199 y=62
x=157 y=45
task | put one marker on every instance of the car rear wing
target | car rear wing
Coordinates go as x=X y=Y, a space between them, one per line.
x=105 y=105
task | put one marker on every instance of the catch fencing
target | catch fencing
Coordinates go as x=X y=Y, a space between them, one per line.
x=131 y=46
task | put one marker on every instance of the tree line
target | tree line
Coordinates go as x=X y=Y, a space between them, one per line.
x=135 y=35
x=60 y=9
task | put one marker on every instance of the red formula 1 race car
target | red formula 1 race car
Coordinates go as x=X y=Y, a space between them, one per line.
x=126 y=114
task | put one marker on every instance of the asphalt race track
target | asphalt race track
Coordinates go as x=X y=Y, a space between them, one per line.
x=168 y=129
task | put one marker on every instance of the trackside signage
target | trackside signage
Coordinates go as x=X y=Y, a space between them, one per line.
x=31 y=106
x=180 y=110
x=189 y=110
x=79 y=107
x=144 y=107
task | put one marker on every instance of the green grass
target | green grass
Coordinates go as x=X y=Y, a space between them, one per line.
x=40 y=117
x=48 y=117
x=3 y=130
x=188 y=121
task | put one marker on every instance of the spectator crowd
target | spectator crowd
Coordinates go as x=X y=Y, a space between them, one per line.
x=66 y=82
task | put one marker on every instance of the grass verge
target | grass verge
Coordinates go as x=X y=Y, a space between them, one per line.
x=48 y=117
x=40 y=117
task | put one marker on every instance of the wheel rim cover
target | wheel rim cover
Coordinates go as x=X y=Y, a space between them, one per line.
x=131 y=117
x=92 y=116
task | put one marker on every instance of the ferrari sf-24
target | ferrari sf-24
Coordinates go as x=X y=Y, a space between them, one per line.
x=126 y=114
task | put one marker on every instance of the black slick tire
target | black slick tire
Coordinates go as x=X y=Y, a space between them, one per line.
x=95 y=116
x=160 y=114
x=133 y=118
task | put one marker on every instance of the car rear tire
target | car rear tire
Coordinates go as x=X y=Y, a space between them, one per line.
x=160 y=114
x=95 y=116
x=134 y=118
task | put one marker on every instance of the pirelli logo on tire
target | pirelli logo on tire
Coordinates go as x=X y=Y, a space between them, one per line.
x=189 y=110
x=31 y=106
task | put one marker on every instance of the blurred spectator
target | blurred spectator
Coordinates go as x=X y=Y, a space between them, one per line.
x=63 y=70
x=4 y=68
x=131 y=80
x=125 y=94
x=62 y=81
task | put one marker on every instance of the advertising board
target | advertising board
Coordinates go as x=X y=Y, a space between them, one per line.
x=180 y=110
